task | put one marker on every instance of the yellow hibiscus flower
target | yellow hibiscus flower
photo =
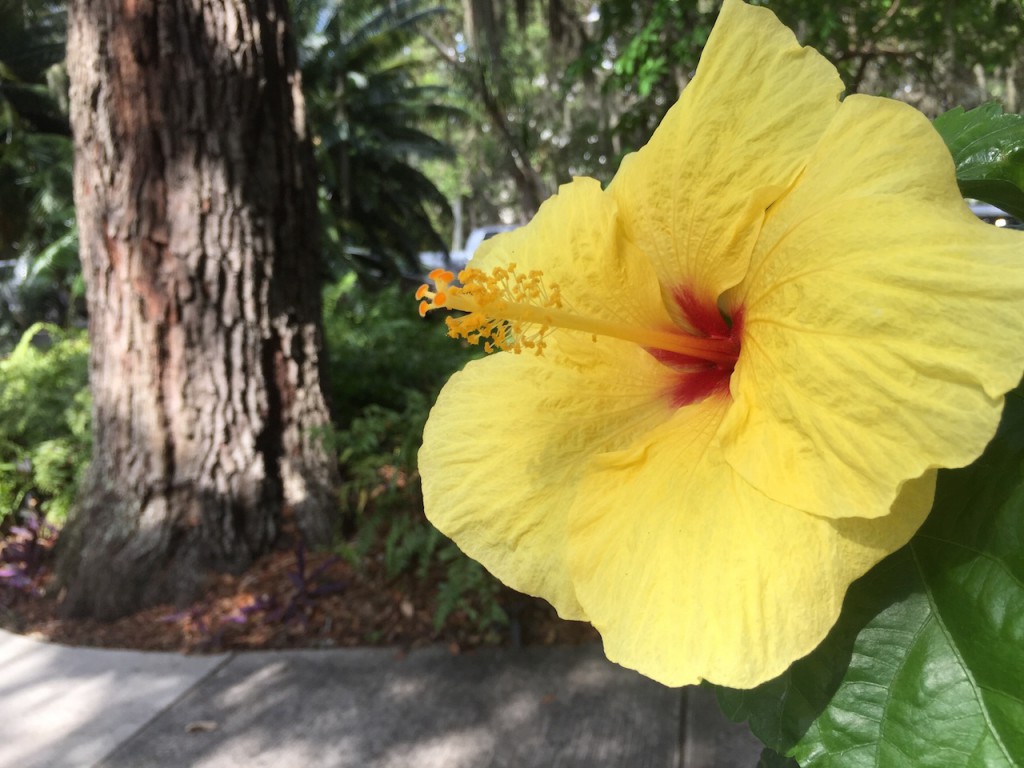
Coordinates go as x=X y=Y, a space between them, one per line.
x=756 y=347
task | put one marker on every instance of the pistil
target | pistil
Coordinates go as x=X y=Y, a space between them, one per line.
x=512 y=311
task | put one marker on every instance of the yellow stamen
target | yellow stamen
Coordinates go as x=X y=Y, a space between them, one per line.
x=510 y=311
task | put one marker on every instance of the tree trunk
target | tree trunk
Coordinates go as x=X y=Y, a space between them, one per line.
x=198 y=230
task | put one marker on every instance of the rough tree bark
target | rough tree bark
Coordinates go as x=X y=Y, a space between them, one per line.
x=197 y=223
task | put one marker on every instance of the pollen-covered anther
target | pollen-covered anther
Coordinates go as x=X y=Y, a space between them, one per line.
x=505 y=310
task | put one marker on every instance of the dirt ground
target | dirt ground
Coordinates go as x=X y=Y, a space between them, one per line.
x=281 y=602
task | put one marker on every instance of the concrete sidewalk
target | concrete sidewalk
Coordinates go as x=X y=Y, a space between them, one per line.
x=359 y=708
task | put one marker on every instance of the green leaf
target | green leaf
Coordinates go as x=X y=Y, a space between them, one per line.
x=926 y=664
x=988 y=150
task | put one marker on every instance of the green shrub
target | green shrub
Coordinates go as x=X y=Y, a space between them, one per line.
x=469 y=588
x=379 y=349
x=44 y=419
x=386 y=366
x=383 y=509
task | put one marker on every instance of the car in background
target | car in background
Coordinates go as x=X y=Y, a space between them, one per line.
x=457 y=260
x=995 y=216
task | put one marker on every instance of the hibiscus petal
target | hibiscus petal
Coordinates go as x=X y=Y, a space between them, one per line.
x=508 y=440
x=694 y=197
x=574 y=241
x=689 y=573
x=882 y=322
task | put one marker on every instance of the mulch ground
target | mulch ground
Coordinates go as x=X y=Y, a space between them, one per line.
x=281 y=602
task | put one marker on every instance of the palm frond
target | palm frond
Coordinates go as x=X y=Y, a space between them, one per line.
x=374 y=119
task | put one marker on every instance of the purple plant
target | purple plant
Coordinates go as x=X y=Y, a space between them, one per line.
x=306 y=589
x=24 y=551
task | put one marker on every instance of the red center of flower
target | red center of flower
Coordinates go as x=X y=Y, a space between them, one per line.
x=697 y=378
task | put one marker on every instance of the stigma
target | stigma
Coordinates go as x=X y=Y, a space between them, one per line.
x=512 y=311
